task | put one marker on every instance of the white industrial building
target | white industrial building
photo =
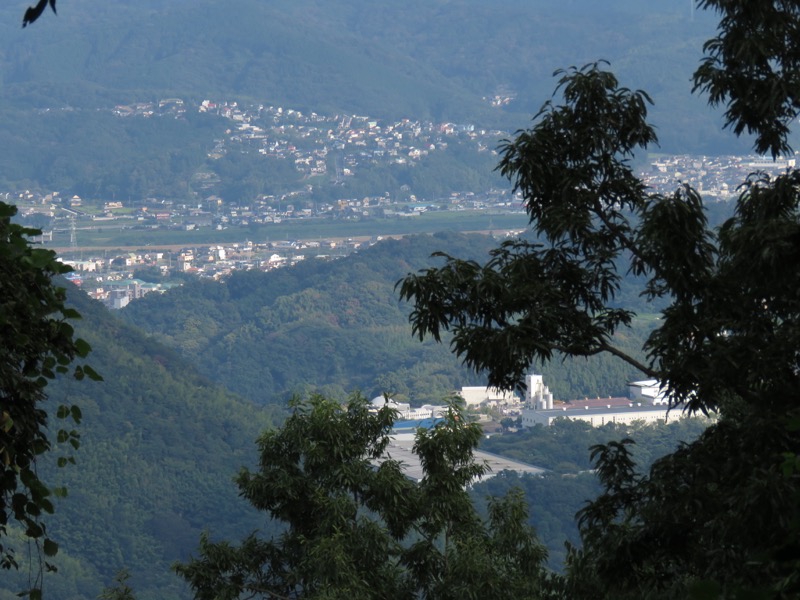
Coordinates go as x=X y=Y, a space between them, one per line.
x=648 y=391
x=537 y=394
x=646 y=402
x=625 y=414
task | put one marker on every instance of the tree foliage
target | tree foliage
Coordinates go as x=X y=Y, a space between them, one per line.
x=35 y=11
x=120 y=590
x=719 y=517
x=533 y=299
x=38 y=345
x=753 y=68
x=354 y=529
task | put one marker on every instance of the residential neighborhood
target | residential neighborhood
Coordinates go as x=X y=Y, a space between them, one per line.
x=333 y=147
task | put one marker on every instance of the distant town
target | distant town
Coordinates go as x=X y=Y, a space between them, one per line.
x=335 y=147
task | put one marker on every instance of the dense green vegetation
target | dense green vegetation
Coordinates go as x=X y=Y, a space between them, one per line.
x=564 y=448
x=38 y=345
x=94 y=154
x=356 y=530
x=718 y=517
x=418 y=60
x=374 y=533
x=160 y=442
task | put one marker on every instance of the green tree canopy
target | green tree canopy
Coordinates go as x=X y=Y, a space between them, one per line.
x=35 y=11
x=356 y=529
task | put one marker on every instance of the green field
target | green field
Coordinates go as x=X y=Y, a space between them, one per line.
x=300 y=229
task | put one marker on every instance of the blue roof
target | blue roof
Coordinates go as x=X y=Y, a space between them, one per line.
x=416 y=424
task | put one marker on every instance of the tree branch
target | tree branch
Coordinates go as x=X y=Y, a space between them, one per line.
x=606 y=347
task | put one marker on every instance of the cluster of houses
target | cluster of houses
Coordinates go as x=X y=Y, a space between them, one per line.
x=336 y=146
x=111 y=280
x=56 y=214
x=715 y=177
x=306 y=139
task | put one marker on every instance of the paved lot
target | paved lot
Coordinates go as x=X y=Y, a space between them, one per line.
x=400 y=449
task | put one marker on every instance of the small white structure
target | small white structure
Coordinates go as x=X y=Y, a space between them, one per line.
x=81 y=265
x=118 y=298
x=648 y=391
x=537 y=394
x=407 y=412
x=477 y=395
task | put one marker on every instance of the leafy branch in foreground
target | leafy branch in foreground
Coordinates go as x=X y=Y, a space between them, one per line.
x=534 y=299
x=358 y=530
x=35 y=11
x=38 y=345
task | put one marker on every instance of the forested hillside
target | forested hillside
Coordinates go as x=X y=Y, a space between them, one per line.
x=564 y=448
x=335 y=327
x=161 y=441
x=160 y=445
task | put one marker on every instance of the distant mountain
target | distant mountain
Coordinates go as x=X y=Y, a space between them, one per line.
x=441 y=60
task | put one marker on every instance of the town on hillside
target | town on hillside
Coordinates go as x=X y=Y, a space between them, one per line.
x=335 y=147
x=308 y=141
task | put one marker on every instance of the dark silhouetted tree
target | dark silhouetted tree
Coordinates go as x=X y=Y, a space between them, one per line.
x=721 y=516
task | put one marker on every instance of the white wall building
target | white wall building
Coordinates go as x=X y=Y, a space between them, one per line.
x=537 y=394
x=634 y=411
x=81 y=265
x=477 y=395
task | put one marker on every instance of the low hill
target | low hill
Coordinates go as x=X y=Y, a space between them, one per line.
x=161 y=439
x=336 y=326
